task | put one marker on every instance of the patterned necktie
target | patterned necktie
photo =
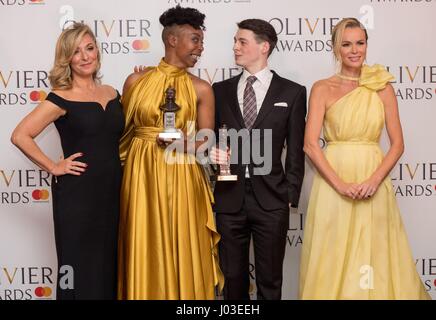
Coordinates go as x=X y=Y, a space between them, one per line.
x=249 y=104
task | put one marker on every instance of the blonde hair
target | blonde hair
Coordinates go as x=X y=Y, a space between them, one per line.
x=338 y=32
x=60 y=75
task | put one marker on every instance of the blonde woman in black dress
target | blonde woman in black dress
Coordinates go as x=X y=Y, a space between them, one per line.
x=86 y=180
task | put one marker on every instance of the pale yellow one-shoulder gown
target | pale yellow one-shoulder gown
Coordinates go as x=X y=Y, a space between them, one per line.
x=356 y=249
x=168 y=240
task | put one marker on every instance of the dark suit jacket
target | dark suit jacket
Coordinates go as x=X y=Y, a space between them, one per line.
x=279 y=187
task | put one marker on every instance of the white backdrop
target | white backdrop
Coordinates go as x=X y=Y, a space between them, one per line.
x=401 y=36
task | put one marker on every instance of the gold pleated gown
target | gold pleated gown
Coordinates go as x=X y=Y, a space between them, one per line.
x=168 y=239
x=356 y=249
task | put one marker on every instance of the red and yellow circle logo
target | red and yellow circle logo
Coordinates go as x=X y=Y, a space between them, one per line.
x=43 y=292
x=140 y=45
x=42 y=194
x=37 y=96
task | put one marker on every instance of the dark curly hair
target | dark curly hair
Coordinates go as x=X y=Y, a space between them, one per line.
x=263 y=31
x=179 y=16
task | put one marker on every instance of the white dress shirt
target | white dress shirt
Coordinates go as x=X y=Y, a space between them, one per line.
x=260 y=86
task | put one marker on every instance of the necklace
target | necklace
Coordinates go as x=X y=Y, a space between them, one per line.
x=347 y=77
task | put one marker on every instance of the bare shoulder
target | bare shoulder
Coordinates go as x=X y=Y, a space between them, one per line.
x=387 y=92
x=200 y=85
x=321 y=87
x=133 y=77
x=49 y=110
x=388 y=97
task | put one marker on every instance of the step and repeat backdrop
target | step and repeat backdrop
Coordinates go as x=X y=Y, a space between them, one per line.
x=401 y=36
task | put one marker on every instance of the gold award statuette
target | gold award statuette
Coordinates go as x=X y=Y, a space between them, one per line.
x=224 y=169
x=169 y=109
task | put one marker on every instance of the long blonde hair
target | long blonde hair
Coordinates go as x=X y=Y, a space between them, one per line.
x=338 y=32
x=60 y=75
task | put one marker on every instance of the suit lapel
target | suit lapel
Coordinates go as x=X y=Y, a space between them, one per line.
x=268 y=102
x=233 y=100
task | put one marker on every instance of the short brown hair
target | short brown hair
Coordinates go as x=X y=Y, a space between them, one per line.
x=263 y=31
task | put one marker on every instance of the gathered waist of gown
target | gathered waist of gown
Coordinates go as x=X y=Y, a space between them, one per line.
x=147 y=133
x=353 y=143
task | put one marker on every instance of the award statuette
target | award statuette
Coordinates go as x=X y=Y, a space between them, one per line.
x=224 y=169
x=169 y=109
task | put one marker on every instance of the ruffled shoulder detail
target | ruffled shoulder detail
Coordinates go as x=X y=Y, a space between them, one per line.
x=375 y=77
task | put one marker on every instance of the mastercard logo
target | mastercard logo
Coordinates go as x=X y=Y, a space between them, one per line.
x=37 y=96
x=43 y=292
x=140 y=45
x=36 y=1
x=40 y=194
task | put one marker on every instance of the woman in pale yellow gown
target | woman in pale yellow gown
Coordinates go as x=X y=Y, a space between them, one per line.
x=168 y=240
x=355 y=245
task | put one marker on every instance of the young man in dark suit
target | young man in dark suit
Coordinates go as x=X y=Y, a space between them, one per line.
x=272 y=112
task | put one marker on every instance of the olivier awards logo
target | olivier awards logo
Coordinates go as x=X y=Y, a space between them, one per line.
x=26 y=283
x=414 y=82
x=304 y=34
x=24 y=186
x=312 y=34
x=20 y=87
x=216 y=74
x=117 y=36
x=414 y=179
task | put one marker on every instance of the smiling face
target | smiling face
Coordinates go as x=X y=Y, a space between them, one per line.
x=353 y=48
x=249 y=52
x=188 y=45
x=84 y=62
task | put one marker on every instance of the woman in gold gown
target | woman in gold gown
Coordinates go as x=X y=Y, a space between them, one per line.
x=168 y=239
x=355 y=245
